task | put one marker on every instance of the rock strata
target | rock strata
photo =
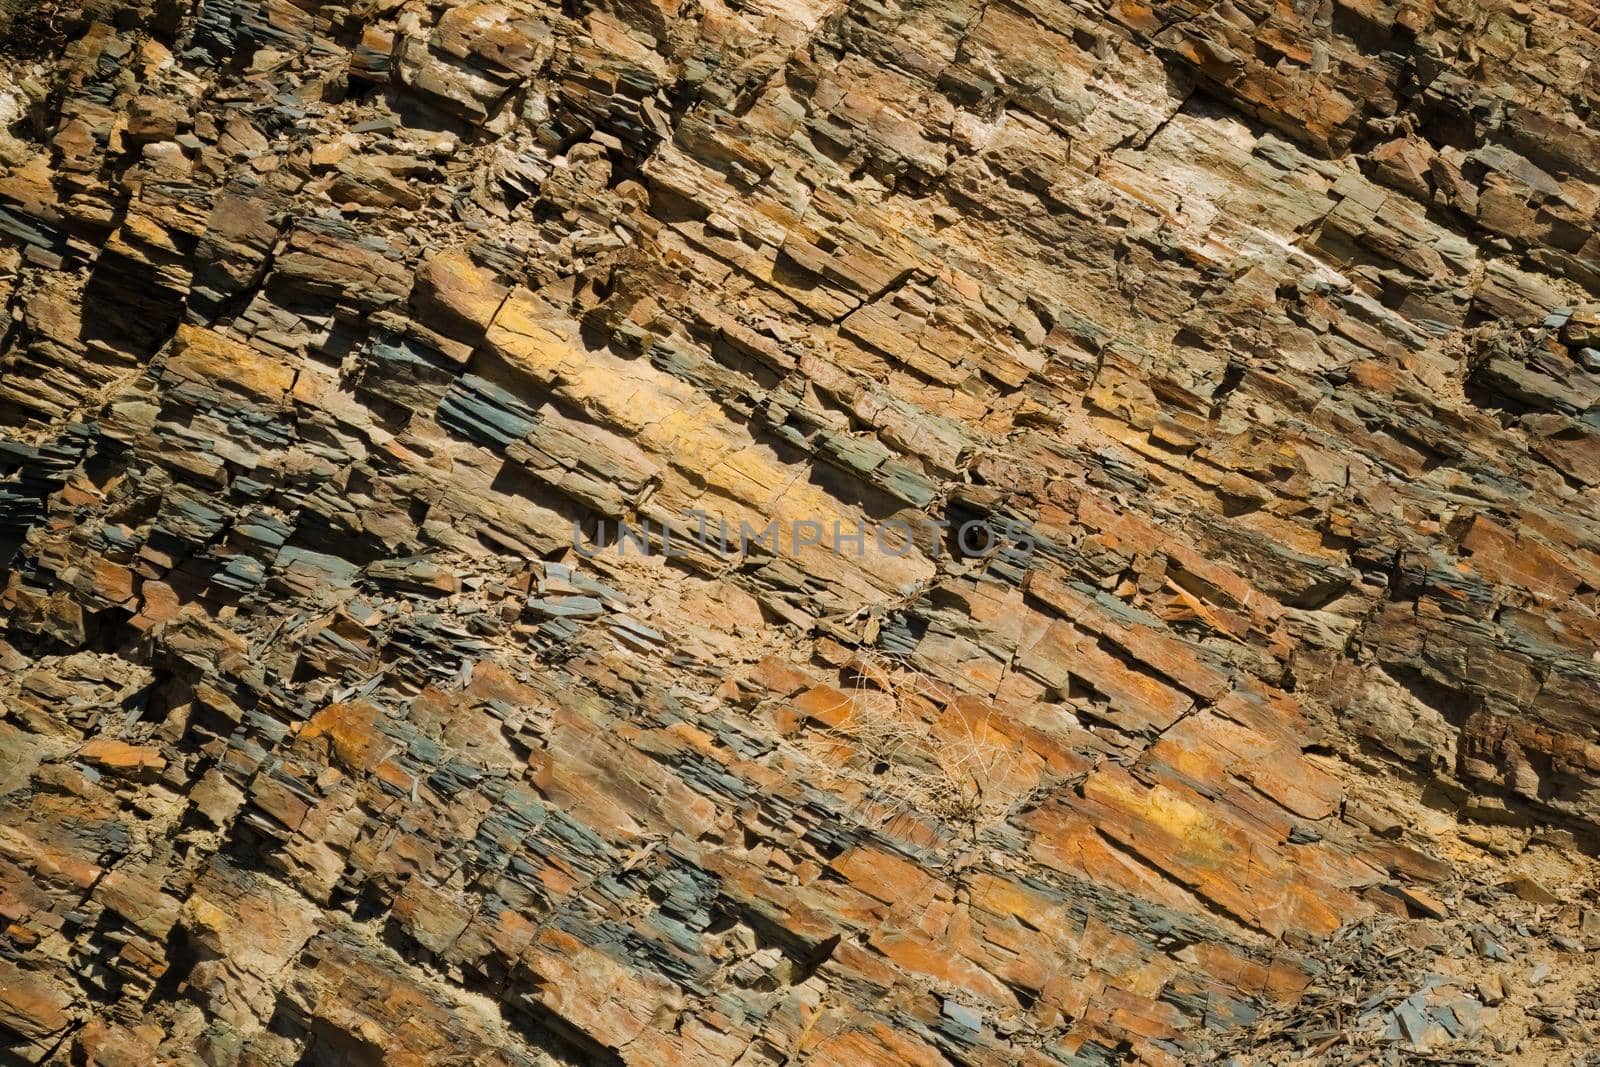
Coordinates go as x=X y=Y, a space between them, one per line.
x=340 y=722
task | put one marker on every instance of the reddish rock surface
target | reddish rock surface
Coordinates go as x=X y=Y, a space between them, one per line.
x=1262 y=342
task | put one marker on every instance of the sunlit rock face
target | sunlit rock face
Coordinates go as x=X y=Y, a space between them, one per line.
x=798 y=532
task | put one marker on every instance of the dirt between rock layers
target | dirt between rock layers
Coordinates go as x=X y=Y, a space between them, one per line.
x=1261 y=343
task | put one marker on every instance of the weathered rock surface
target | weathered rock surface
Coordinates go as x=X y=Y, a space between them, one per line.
x=1264 y=341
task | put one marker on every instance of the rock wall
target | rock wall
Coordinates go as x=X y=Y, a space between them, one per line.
x=340 y=722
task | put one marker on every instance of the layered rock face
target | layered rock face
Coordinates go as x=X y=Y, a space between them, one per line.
x=1256 y=347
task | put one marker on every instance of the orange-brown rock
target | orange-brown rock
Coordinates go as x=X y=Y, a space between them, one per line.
x=983 y=532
